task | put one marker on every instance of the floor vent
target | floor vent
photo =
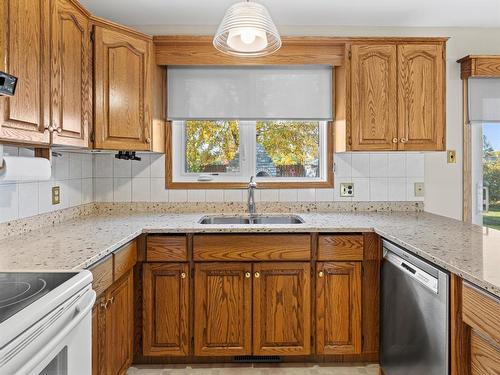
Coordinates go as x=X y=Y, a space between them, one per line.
x=257 y=358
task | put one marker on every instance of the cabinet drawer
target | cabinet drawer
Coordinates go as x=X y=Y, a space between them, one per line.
x=103 y=274
x=166 y=248
x=242 y=247
x=341 y=247
x=485 y=355
x=125 y=259
x=481 y=311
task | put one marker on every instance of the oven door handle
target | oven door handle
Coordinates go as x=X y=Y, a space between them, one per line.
x=81 y=310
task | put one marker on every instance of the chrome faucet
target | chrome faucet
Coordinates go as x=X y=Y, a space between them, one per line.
x=251 y=198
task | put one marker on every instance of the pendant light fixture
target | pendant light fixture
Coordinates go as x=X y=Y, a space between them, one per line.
x=247 y=30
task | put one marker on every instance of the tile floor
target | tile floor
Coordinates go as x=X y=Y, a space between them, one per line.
x=289 y=369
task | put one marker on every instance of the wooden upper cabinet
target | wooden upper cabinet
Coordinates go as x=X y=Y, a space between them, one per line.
x=24 y=53
x=71 y=91
x=374 y=95
x=421 y=97
x=165 y=309
x=281 y=309
x=223 y=309
x=122 y=74
x=338 y=308
x=119 y=326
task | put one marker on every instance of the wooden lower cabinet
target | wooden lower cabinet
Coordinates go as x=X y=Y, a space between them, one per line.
x=112 y=325
x=223 y=309
x=165 y=330
x=338 y=308
x=282 y=309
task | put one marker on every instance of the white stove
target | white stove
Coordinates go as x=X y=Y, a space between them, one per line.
x=45 y=323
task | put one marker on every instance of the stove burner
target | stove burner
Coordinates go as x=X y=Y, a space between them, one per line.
x=19 y=291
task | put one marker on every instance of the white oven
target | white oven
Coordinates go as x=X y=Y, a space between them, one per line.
x=53 y=335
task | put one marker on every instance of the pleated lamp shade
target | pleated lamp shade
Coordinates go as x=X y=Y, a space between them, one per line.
x=247 y=30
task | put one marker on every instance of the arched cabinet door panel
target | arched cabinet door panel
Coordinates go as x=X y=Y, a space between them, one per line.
x=374 y=97
x=71 y=89
x=421 y=101
x=122 y=90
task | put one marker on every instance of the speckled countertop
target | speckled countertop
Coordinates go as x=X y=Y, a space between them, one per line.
x=469 y=251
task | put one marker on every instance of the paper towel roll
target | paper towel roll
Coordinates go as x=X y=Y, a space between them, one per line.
x=21 y=168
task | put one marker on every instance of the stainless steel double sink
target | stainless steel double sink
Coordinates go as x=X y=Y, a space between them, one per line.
x=252 y=219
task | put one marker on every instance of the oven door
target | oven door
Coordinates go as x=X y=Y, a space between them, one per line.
x=59 y=344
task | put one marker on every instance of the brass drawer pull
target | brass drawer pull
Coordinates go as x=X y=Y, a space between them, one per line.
x=394 y=140
x=404 y=140
x=321 y=274
x=183 y=275
x=247 y=275
x=257 y=275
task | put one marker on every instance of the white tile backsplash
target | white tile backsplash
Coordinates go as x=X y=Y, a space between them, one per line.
x=85 y=178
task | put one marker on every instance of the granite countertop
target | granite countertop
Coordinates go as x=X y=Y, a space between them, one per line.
x=467 y=250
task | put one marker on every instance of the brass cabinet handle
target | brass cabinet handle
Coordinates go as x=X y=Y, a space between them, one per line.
x=321 y=274
x=183 y=275
x=112 y=300
x=104 y=305
x=394 y=140
x=247 y=275
x=148 y=140
x=257 y=275
x=59 y=130
x=404 y=140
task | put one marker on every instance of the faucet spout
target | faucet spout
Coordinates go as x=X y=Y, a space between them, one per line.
x=251 y=196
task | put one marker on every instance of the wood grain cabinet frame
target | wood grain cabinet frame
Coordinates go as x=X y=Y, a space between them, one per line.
x=338 y=308
x=166 y=248
x=165 y=330
x=223 y=309
x=70 y=70
x=24 y=53
x=282 y=309
x=340 y=247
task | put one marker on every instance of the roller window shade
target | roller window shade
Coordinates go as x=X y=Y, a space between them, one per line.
x=250 y=93
x=484 y=100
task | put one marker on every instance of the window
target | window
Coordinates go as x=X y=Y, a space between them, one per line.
x=231 y=151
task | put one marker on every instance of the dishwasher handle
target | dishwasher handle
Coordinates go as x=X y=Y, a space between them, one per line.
x=424 y=278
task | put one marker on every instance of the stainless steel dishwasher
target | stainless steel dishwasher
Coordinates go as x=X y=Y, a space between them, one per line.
x=414 y=323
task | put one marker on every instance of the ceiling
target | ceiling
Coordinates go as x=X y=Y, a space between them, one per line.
x=415 y=13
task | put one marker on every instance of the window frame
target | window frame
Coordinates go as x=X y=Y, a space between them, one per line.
x=174 y=152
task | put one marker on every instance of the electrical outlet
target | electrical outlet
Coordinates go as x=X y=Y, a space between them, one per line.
x=347 y=189
x=452 y=156
x=56 y=195
x=419 y=189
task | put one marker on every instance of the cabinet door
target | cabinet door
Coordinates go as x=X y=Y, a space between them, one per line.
x=70 y=75
x=421 y=101
x=122 y=90
x=119 y=326
x=338 y=308
x=165 y=309
x=281 y=310
x=24 y=54
x=223 y=310
x=374 y=96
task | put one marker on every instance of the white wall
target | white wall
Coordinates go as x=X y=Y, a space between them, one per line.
x=443 y=190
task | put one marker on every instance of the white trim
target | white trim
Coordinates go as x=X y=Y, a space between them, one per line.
x=247 y=158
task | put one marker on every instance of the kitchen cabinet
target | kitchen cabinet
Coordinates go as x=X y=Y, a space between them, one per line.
x=166 y=309
x=338 y=308
x=282 y=309
x=113 y=312
x=119 y=311
x=70 y=75
x=223 y=309
x=124 y=75
x=393 y=97
x=24 y=53
x=374 y=97
x=421 y=100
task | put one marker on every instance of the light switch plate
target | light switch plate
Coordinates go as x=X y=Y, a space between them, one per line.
x=451 y=156
x=419 y=189
x=56 y=195
x=347 y=189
